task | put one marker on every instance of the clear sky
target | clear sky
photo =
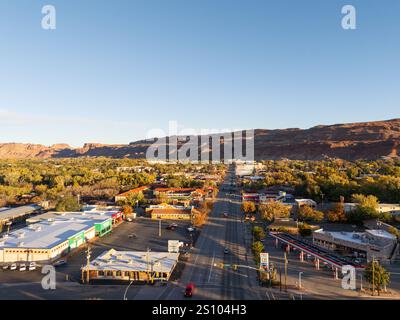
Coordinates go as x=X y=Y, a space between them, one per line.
x=112 y=70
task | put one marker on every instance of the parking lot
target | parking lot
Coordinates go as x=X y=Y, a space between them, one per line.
x=140 y=235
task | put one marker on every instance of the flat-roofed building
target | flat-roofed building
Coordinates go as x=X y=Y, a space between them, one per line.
x=180 y=193
x=171 y=213
x=18 y=213
x=50 y=239
x=131 y=266
x=379 y=244
x=115 y=215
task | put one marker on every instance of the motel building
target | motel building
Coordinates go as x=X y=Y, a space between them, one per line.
x=50 y=239
x=129 y=266
x=170 y=212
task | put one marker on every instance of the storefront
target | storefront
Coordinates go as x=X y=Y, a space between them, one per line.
x=116 y=217
x=76 y=240
x=102 y=228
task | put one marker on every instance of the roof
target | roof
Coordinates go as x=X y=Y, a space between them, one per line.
x=135 y=261
x=67 y=215
x=11 y=213
x=49 y=233
x=177 y=190
x=171 y=211
x=358 y=237
x=132 y=191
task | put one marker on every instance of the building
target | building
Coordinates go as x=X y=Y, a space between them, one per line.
x=263 y=197
x=180 y=193
x=306 y=202
x=131 y=266
x=379 y=244
x=125 y=195
x=17 y=214
x=393 y=209
x=115 y=215
x=168 y=212
x=50 y=239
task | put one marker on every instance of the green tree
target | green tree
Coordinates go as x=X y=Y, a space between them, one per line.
x=257 y=248
x=273 y=210
x=258 y=233
x=67 y=203
x=307 y=213
x=248 y=207
x=337 y=214
x=377 y=276
x=305 y=230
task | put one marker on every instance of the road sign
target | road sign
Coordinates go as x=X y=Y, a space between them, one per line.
x=264 y=260
x=173 y=246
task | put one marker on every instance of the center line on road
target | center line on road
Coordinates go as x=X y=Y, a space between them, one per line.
x=211 y=268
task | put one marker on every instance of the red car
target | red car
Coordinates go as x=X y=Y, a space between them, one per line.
x=189 y=290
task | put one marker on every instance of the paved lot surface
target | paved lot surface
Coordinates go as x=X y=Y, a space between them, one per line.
x=27 y=285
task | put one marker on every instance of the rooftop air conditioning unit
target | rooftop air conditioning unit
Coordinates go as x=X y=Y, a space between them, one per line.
x=21 y=244
x=21 y=235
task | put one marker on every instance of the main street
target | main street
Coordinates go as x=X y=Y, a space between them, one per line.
x=204 y=268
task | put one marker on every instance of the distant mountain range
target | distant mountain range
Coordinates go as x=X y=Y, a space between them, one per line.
x=367 y=140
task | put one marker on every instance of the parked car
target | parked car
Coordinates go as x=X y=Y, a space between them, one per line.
x=5 y=267
x=225 y=214
x=190 y=229
x=226 y=251
x=13 y=266
x=60 y=263
x=172 y=228
x=189 y=290
x=129 y=219
x=22 y=267
x=32 y=266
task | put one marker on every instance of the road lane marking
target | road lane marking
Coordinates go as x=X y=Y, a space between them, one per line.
x=211 y=268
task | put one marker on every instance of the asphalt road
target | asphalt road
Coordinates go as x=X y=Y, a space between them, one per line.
x=211 y=281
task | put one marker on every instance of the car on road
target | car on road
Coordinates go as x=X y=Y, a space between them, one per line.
x=32 y=266
x=226 y=251
x=132 y=235
x=129 y=219
x=191 y=229
x=189 y=290
x=13 y=266
x=60 y=263
x=22 y=267
x=172 y=226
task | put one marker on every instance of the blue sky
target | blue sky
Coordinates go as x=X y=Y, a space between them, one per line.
x=112 y=70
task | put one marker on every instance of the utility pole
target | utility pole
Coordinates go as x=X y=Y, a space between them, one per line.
x=286 y=263
x=159 y=228
x=88 y=254
x=280 y=278
x=147 y=264
x=373 y=275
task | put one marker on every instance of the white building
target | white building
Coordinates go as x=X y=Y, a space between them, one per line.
x=131 y=266
x=50 y=239
x=379 y=244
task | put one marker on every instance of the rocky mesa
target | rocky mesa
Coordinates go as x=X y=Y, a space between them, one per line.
x=351 y=141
